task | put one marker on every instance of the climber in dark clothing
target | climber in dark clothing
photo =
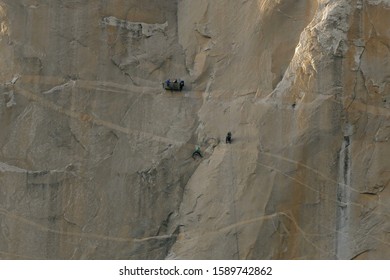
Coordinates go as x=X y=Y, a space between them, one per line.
x=229 y=138
x=196 y=152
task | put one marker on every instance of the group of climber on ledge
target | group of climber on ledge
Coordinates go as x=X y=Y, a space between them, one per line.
x=175 y=84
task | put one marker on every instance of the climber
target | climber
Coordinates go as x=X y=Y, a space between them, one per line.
x=229 y=138
x=181 y=85
x=196 y=152
x=168 y=82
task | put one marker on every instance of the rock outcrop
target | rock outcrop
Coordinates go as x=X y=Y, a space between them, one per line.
x=95 y=157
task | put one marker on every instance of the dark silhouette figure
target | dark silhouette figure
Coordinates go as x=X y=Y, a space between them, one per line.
x=228 y=138
x=196 y=152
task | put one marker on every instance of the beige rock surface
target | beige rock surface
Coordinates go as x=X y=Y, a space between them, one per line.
x=95 y=157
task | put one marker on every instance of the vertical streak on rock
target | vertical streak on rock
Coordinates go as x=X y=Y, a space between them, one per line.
x=344 y=235
x=343 y=197
x=52 y=241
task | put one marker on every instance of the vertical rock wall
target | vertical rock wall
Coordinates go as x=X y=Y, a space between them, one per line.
x=297 y=181
x=94 y=152
x=95 y=157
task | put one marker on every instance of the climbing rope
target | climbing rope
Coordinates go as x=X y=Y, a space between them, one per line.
x=232 y=178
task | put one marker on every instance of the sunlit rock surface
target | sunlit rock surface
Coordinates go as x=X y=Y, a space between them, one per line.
x=95 y=157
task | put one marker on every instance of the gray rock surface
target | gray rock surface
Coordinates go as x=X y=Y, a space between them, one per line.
x=95 y=157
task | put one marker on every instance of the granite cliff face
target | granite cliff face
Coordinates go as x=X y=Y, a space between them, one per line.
x=95 y=157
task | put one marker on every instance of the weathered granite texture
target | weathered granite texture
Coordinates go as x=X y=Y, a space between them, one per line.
x=95 y=157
